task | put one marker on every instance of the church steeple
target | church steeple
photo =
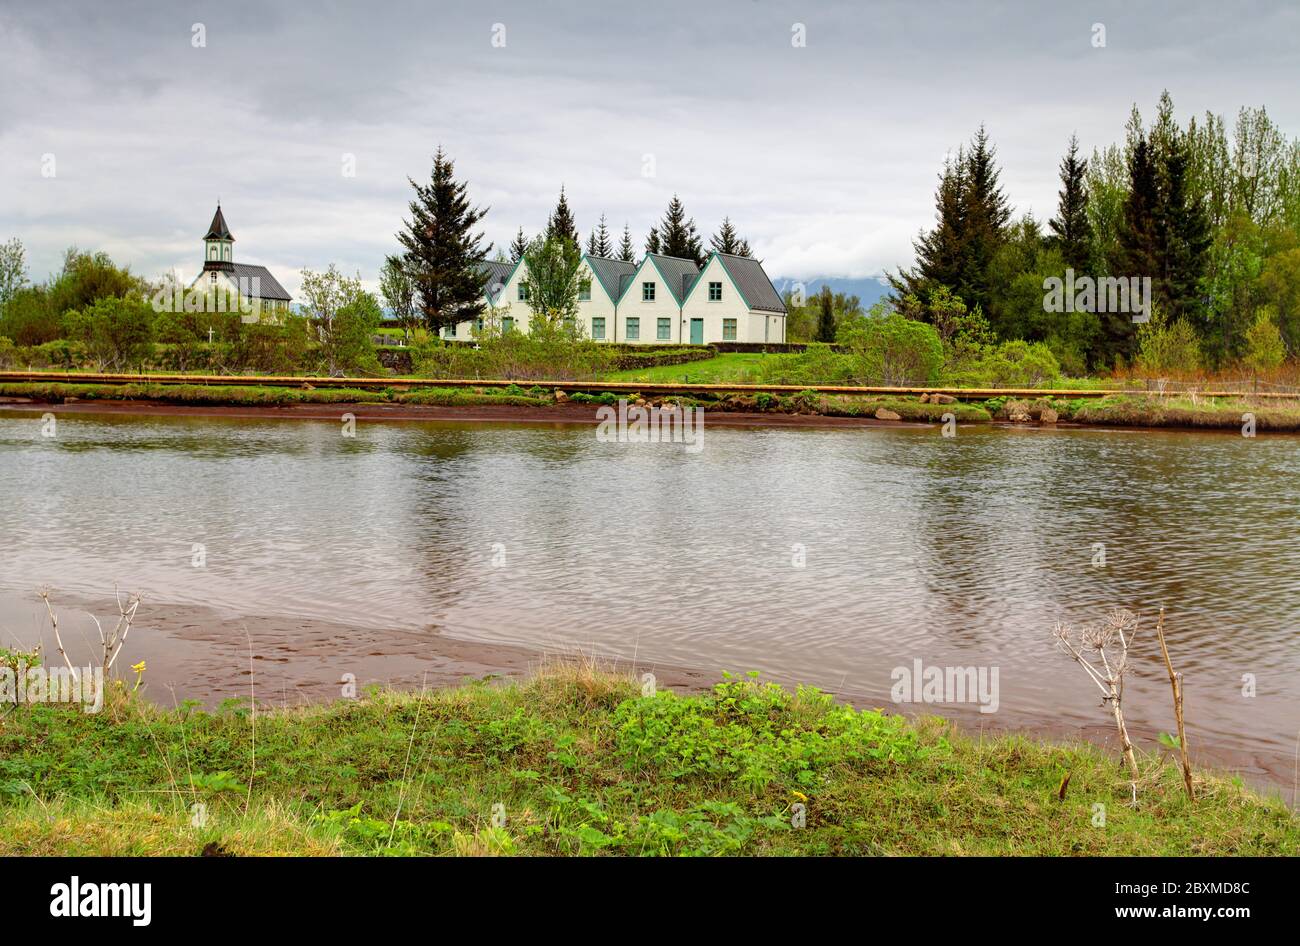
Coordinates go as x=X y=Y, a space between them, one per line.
x=217 y=250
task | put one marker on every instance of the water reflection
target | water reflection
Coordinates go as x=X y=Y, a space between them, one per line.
x=962 y=550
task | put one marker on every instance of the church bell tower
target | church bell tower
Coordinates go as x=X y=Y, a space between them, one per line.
x=218 y=249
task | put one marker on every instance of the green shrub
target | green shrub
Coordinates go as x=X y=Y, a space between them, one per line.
x=757 y=734
x=895 y=351
x=1265 y=348
x=1168 y=348
x=1017 y=364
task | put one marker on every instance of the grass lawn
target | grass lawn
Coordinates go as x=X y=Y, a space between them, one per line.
x=732 y=366
x=576 y=761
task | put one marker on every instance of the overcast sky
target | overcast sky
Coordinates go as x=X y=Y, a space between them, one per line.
x=823 y=155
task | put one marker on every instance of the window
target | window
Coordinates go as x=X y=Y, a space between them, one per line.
x=665 y=330
x=584 y=291
x=715 y=292
x=647 y=292
x=728 y=330
x=212 y=251
x=507 y=324
x=523 y=292
x=598 y=329
x=478 y=325
x=633 y=330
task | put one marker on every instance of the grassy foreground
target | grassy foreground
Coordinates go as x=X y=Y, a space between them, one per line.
x=578 y=761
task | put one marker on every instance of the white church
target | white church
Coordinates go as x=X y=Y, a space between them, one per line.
x=259 y=292
x=663 y=300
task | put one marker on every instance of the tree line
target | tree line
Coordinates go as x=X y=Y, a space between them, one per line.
x=436 y=280
x=1211 y=219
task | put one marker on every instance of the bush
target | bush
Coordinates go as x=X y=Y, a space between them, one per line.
x=117 y=331
x=8 y=353
x=1265 y=349
x=1017 y=364
x=541 y=354
x=28 y=318
x=1168 y=348
x=895 y=351
x=816 y=364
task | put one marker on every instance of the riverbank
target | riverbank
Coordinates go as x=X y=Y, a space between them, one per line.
x=807 y=408
x=578 y=761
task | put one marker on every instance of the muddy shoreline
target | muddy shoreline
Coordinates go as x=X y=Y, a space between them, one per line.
x=197 y=653
x=480 y=413
x=562 y=414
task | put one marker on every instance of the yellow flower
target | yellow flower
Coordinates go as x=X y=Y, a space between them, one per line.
x=800 y=795
x=139 y=674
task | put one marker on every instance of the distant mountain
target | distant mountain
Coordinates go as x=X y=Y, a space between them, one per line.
x=869 y=290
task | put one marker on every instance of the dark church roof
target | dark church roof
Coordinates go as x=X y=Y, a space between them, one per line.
x=266 y=286
x=219 y=230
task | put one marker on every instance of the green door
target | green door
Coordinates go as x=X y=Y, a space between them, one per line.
x=697 y=331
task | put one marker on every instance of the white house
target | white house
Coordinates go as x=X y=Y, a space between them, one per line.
x=258 y=291
x=664 y=300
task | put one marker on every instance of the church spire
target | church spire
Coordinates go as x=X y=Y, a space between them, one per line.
x=217 y=250
x=218 y=230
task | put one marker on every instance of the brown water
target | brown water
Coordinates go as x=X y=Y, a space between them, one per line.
x=961 y=551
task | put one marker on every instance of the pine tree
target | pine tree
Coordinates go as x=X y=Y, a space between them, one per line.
x=985 y=215
x=1139 y=238
x=442 y=250
x=726 y=240
x=652 y=243
x=677 y=236
x=626 y=252
x=1183 y=230
x=599 y=243
x=518 y=247
x=562 y=223
x=938 y=252
x=1071 y=227
x=1138 y=250
x=826 y=315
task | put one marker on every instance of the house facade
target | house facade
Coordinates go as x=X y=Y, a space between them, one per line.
x=663 y=300
x=259 y=293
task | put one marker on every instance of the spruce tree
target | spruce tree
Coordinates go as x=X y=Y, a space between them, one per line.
x=562 y=223
x=626 y=251
x=442 y=250
x=726 y=240
x=938 y=252
x=1183 y=227
x=1072 y=231
x=985 y=215
x=599 y=243
x=1138 y=250
x=518 y=247
x=677 y=236
x=826 y=315
x=652 y=243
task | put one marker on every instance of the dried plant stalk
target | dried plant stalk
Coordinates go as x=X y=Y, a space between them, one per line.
x=1102 y=652
x=1176 y=684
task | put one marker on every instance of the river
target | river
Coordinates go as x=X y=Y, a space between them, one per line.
x=824 y=556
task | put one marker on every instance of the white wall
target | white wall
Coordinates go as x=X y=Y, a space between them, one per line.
x=599 y=306
x=730 y=306
x=663 y=306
